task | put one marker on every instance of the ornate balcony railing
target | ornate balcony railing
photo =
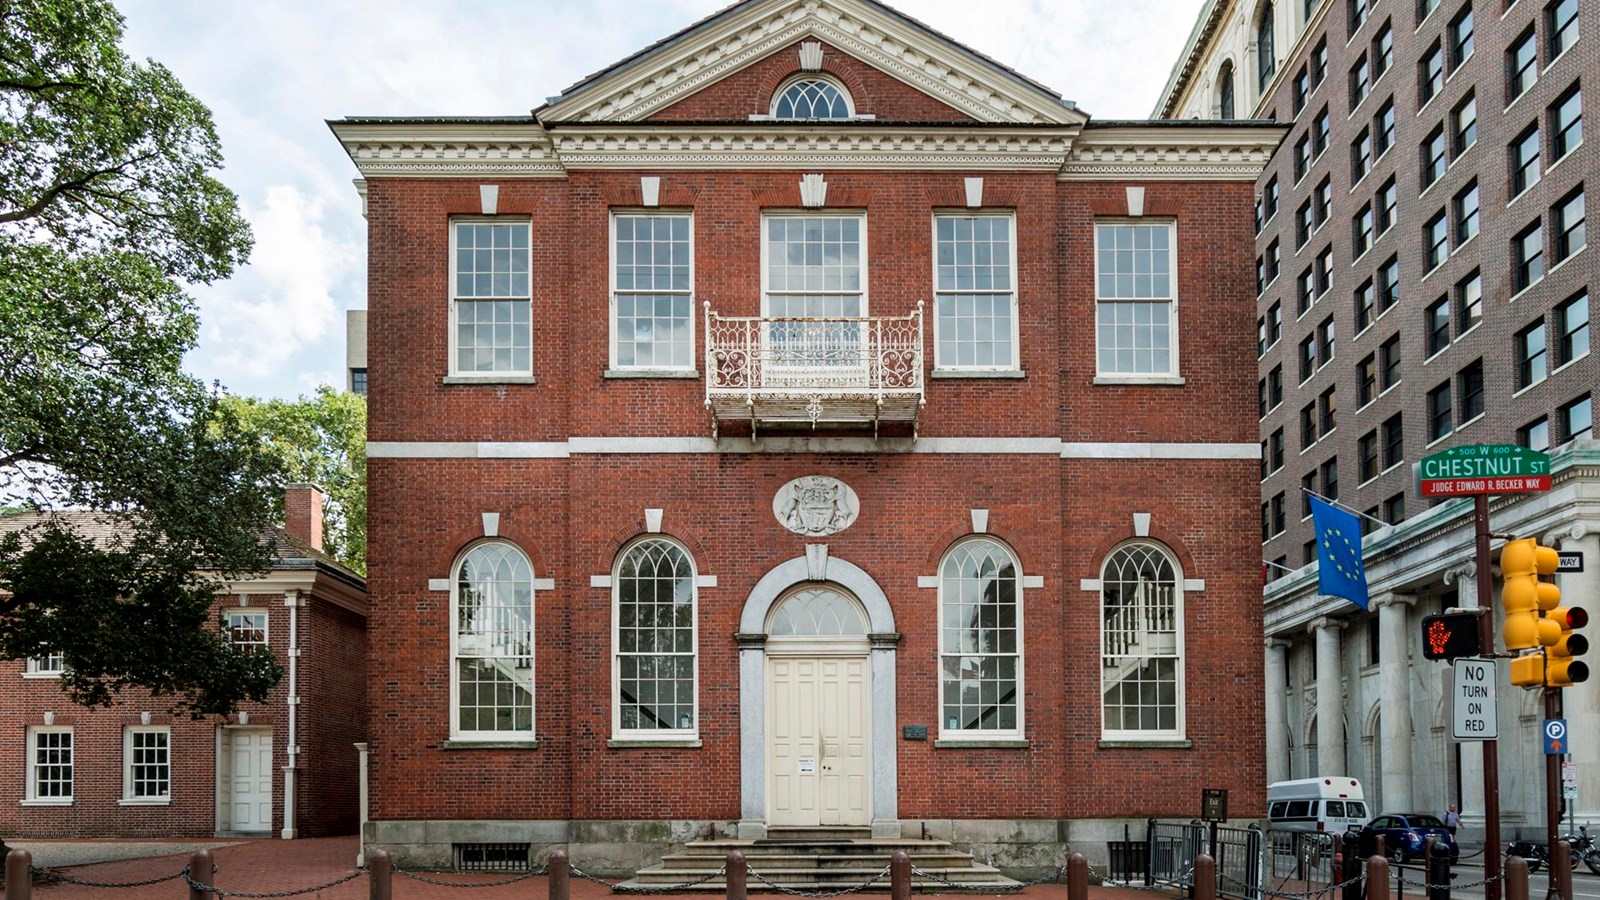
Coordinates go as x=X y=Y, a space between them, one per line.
x=833 y=371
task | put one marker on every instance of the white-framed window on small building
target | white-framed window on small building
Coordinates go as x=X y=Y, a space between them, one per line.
x=811 y=97
x=655 y=643
x=812 y=269
x=1141 y=641
x=247 y=627
x=1136 y=299
x=975 y=295
x=652 y=284
x=50 y=764
x=491 y=681
x=980 y=642
x=491 y=331
x=147 y=764
x=51 y=665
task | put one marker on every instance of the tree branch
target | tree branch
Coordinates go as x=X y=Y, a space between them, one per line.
x=61 y=187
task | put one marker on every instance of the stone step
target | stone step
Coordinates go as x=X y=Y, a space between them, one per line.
x=922 y=860
x=819 y=833
x=885 y=846
x=813 y=879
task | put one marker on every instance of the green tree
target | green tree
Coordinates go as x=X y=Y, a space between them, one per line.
x=108 y=209
x=320 y=439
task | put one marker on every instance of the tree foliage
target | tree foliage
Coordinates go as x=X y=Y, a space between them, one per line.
x=108 y=209
x=320 y=439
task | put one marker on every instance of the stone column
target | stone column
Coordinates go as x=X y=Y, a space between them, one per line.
x=1394 y=676
x=1277 y=710
x=1465 y=580
x=885 y=769
x=752 y=735
x=1582 y=701
x=1330 y=697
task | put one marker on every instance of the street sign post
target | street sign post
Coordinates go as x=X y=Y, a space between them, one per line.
x=1482 y=469
x=1555 y=737
x=1475 y=715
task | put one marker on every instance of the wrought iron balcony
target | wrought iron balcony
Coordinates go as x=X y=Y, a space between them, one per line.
x=817 y=372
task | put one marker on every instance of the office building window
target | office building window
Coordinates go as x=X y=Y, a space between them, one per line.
x=1522 y=65
x=1366 y=380
x=1394 y=509
x=1441 y=414
x=358 y=381
x=1308 y=357
x=1524 y=153
x=1308 y=425
x=1363 y=301
x=1302 y=157
x=1567 y=218
x=1302 y=89
x=1383 y=133
x=1361 y=235
x=1461 y=37
x=1275 y=387
x=1266 y=60
x=1572 y=322
x=1382 y=51
x=1394 y=441
x=1302 y=225
x=1360 y=81
x=1469 y=391
x=1367 y=448
x=1532 y=358
x=1389 y=362
x=1388 y=200
x=1320 y=129
x=1535 y=435
x=1328 y=411
x=1275 y=448
x=1469 y=303
x=1464 y=124
x=1388 y=284
x=1436 y=241
x=1466 y=209
x=1361 y=156
x=1527 y=257
x=1436 y=322
x=1433 y=160
x=1319 y=62
x=1430 y=73
x=1577 y=419
x=1306 y=291
x=1330 y=479
x=1274 y=324
x=1566 y=123
x=1563 y=25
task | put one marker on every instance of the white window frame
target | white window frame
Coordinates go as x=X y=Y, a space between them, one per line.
x=51 y=665
x=939 y=363
x=1179 y=731
x=508 y=736
x=766 y=284
x=692 y=365
x=976 y=734
x=245 y=613
x=128 y=795
x=836 y=84
x=32 y=795
x=453 y=367
x=1171 y=376
x=662 y=735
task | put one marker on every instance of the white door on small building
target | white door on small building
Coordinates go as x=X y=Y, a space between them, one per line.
x=244 y=784
x=817 y=712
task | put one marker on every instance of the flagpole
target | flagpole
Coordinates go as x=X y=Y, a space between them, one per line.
x=1278 y=566
x=1331 y=502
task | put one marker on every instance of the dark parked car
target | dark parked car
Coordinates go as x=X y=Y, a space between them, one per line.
x=1405 y=835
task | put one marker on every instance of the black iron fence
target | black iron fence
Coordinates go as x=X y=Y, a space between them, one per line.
x=1171 y=849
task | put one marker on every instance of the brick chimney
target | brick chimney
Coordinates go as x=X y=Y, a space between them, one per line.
x=302 y=514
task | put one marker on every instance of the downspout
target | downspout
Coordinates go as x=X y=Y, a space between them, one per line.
x=361 y=833
x=292 y=600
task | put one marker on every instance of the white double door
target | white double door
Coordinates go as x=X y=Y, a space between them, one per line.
x=818 y=762
x=244 y=782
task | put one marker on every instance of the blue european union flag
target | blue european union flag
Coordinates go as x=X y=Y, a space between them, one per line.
x=1339 y=569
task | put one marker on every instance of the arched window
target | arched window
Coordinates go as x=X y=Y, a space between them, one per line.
x=655 y=642
x=980 y=642
x=1141 y=646
x=820 y=612
x=811 y=98
x=491 y=606
x=1225 y=91
x=1266 y=59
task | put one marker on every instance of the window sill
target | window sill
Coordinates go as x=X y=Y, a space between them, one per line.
x=66 y=802
x=979 y=744
x=1558 y=369
x=459 y=744
x=490 y=379
x=653 y=373
x=1531 y=285
x=56 y=675
x=958 y=374
x=1146 y=744
x=646 y=744
x=152 y=801
x=1172 y=380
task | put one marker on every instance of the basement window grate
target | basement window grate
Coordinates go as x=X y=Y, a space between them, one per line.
x=492 y=857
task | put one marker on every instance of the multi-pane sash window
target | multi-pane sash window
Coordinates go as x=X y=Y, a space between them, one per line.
x=1469 y=303
x=980 y=641
x=1533 y=362
x=49 y=664
x=1320 y=129
x=656 y=641
x=975 y=296
x=1437 y=322
x=1436 y=241
x=1382 y=51
x=1266 y=60
x=1302 y=157
x=1461 y=38
x=247 y=627
x=1430 y=72
x=1308 y=425
x=1359 y=9
x=1364 y=305
x=1394 y=441
x=1136 y=294
x=1563 y=25
x=813 y=270
x=1383 y=128
x=1330 y=479
x=492 y=614
x=1275 y=445
x=1308 y=357
x=491 y=299
x=1367 y=449
x=50 y=764
x=1275 y=382
x=1441 y=415
x=1361 y=231
x=1306 y=292
x=1568 y=220
x=1525 y=160
x=1325 y=341
x=652 y=277
x=1572 y=321
x=1466 y=204
x=1577 y=419
x=1388 y=285
x=1470 y=391
x=1269 y=200
x=1527 y=256
x=1328 y=410
x=1566 y=123
x=1360 y=81
x=1465 y=124
x=1389 y=362
x=1274 y=324
x=1141 y=640
x=1302 y=224
x=1319 y=62
x=1522 y=64
x=1366 y=380
x=1361 y=156
x=1388 y=200
x=147 y=764
x=1433 y=159
x=1324 y=201
x=1301 y=89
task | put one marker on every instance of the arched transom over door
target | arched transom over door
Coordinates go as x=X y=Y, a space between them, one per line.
x=818 y=699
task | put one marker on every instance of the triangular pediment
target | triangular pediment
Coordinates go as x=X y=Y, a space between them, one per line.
x=711 y=50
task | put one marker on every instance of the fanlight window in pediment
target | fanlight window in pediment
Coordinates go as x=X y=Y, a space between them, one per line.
x=818 y=612
x=811 y=98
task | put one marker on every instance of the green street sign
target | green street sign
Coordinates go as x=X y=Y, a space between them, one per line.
x=1483 y=469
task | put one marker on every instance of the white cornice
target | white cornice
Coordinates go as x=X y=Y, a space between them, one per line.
x=924 y=60
x=1176 y=153
x=450 y=150
x=742 y=147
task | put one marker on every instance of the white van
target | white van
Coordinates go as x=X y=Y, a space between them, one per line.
x=1330 y=805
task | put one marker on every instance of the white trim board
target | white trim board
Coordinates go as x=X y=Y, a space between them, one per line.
x=592 y=446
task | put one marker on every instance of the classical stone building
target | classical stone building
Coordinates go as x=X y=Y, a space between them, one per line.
x=808 y=422
x=1422 y=282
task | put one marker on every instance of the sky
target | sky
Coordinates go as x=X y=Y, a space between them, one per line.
x=274 y=72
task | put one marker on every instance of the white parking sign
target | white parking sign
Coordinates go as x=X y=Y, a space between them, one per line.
x=1475 y=716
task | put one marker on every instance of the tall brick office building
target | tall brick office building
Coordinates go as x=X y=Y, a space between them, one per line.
x=808 y=421
x=1423 y=281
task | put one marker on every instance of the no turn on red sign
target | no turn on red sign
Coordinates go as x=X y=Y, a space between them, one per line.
x=1474 y=712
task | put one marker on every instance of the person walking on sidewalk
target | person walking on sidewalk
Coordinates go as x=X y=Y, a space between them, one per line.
x=1452 y=819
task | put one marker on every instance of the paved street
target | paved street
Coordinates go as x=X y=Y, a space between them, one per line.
x=1585 y=886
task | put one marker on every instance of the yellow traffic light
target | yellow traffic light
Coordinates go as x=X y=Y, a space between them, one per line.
x=1528 y=671
x=1524 y=597
x=1564 y=670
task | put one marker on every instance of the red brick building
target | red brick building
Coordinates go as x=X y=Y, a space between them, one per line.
x=808 y=421
x=286 y=766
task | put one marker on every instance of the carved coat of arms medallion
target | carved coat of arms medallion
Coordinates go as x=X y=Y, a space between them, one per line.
x=815 y=505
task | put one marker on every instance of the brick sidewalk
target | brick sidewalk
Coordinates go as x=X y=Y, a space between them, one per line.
x=271 y=865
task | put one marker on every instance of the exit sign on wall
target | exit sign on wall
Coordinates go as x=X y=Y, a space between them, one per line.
x=1483 y=469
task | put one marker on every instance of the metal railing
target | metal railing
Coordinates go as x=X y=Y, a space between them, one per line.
x=1237 y=854
x=870 y=356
